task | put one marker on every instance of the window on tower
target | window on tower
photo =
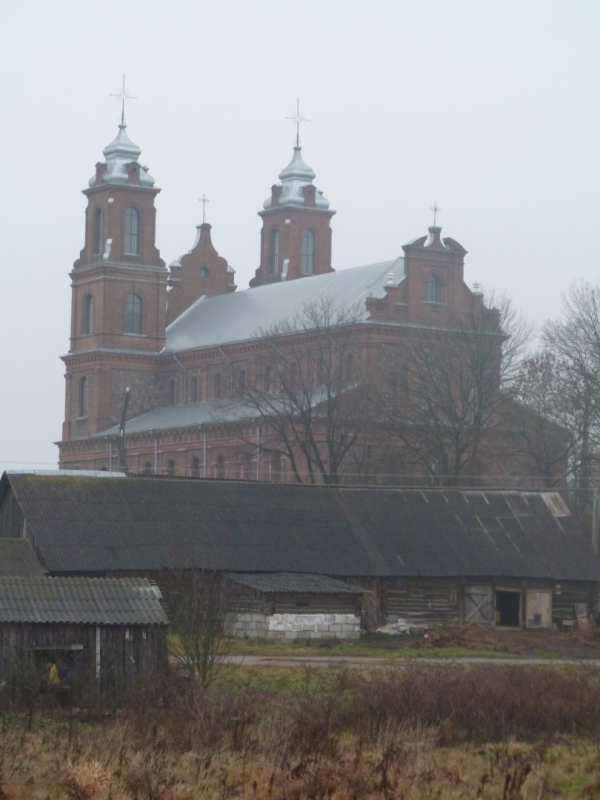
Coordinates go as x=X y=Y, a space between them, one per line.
x=88 y=314
x=432 y=290
x=97 y=233
x=82 y=398
x=308 y=253
x=132 y=232
x=133 y=314
x=274 y=253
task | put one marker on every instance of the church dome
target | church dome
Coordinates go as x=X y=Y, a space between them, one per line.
x=120 y=152
x=294 y=178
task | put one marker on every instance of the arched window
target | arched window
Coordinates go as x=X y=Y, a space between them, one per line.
x=195 y=468
x=132 y=232
x=97 y=233
x=308 y=253
x=172 y=392
x=82 y=398
x=293 y=374
x=217 y=387
x=242 y=382
x=274 y=253
x=432 y=289
x=246 y=467
x=171 y=468
x=349 y=368
x=88 y=314
x=194 y=390
x=221 y=471
x=133 y=314
x=147 y=468
x=268 y=379
x=276 y=468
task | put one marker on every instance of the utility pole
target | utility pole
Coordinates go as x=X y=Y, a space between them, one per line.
x=121 y=436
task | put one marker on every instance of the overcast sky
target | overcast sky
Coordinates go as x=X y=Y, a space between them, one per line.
x=489 y=108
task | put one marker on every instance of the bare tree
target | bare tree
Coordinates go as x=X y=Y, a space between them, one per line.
x=308 y=391
x=575 y=340
x=544 y=419
x=442 y=394
x=199 y=612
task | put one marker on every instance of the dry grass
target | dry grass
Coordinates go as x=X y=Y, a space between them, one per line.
x=421 y=732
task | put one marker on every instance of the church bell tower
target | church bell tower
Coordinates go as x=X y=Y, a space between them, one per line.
x=296 y=232
x=119 y=285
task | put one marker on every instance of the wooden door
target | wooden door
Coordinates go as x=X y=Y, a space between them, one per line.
x=538 y=608
x=478 y=605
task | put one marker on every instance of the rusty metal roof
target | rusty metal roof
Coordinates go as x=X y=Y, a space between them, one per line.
x=87 y=525
x=86 y=601
x=279 y=582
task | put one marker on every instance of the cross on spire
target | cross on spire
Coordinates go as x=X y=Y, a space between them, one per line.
x=436 y=210
x=298 y=119
x=123 y=97
x=204 y=200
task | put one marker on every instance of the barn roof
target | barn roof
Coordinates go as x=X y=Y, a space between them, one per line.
x=280 y=582
x=17 y=558
x=91 y=601
x=87 y=525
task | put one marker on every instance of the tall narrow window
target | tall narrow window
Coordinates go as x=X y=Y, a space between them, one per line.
x=172 y=392
x=82 y=398
x=274 y=253
x=88 y=314
x=308 y=253
x=432 y=290
x=132 y=232
x=242 y=382
x=194 y=390
x=276 y=468
x=349 y=368
x=171 y=469
x=97 y=233
x=217 y=387
x=268 y=379
x=133 y=314
x=147 y=468
x=221 y=471
x=293 y=375
x=195 y=469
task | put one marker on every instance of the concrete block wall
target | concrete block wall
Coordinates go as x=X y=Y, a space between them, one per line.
x=294 y=626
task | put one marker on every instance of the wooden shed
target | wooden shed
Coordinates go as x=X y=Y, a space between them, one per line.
x=81 y=635
x=283 y=605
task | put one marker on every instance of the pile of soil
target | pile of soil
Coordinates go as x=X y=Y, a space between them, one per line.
x=470 y=637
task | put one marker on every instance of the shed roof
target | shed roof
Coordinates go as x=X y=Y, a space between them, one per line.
x=284 y=582
x=88 y=525
x=91 y=601
x=17 y=558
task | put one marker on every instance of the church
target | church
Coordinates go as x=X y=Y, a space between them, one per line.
x=185 y=340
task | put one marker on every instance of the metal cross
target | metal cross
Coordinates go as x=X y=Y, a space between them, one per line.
x=298 y=119
x=123 y=97
x=436 y=209
x=204 y=200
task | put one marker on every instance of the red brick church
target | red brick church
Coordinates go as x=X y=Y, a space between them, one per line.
x=181 y=337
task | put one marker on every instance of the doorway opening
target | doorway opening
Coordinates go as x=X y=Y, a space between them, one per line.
x=508 y=608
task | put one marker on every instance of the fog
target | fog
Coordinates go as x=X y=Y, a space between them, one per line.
x=490 y=109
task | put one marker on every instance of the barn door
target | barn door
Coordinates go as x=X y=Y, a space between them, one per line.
x=478 y=605
x=539 y=609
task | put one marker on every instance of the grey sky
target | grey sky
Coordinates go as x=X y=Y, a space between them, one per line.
x=491 y=108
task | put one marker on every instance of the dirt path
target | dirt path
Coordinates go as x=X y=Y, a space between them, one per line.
x=383 y=663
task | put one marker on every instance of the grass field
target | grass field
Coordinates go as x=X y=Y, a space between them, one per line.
x=421 y=731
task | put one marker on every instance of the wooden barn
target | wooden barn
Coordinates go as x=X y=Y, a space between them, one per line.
x=81 y=635
x=288 y=605
x=428 y=556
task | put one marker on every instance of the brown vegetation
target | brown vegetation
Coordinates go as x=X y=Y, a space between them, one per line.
x=415 y=732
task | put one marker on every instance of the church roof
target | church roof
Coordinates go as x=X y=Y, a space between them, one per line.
x=294 y=178
x=239 y=316
x=120 y=152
